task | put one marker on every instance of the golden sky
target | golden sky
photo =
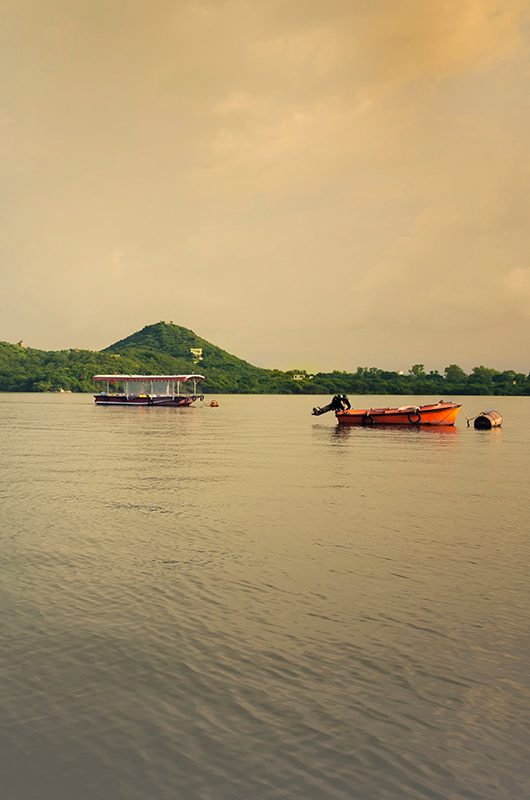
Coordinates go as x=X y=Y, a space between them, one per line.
x=320 y=184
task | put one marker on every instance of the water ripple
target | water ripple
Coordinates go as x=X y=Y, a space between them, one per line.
x=250 y=604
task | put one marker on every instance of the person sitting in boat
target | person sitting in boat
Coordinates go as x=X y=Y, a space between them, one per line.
x=336 y=403
x=340 y=402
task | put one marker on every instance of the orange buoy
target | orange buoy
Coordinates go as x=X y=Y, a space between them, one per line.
x=214 y=404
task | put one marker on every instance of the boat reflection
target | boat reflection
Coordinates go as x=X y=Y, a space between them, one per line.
x=443 y=431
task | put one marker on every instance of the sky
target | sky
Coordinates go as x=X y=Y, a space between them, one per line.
x=315 y=184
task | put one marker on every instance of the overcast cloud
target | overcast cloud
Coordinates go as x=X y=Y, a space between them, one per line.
x=307 y=184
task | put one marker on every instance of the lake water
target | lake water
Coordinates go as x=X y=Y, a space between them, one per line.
x=248 y=602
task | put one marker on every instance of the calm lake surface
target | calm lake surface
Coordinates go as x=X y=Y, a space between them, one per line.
x=247 y=602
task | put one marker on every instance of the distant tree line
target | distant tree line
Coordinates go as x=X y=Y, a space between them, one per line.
x=452 y=381
x=29 y=370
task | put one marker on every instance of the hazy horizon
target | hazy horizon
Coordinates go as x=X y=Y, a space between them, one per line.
x=305 y=184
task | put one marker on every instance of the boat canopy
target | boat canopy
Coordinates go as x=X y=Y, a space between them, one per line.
x=142 y=378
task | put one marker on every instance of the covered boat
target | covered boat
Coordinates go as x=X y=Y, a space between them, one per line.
x=441 y=413
x=148 y=390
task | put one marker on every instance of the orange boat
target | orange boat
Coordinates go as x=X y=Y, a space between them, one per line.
x=441 y=413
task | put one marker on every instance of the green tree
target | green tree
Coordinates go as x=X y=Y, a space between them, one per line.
x=454 y=374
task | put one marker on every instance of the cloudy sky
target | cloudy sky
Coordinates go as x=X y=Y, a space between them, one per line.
x=307 y=183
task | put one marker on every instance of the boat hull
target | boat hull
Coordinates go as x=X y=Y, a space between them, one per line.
x=432 y=414
x=139 y=401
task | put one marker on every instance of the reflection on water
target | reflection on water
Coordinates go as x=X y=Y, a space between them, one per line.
x=399 y=430
x=247 y=602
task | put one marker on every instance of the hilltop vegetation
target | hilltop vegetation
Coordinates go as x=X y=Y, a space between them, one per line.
x=165 y=348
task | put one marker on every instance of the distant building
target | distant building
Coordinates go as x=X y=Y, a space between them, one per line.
x=196 y=353
x=301 y=376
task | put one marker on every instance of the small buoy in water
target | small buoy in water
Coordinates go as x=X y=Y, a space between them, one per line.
x=487 y=420
x=214 y=404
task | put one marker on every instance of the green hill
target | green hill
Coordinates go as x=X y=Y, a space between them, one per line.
x=166 y=348
x=162 y=347
x=171 y=345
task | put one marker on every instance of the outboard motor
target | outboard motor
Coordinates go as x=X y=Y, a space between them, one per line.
x=317 y=411
x=338 y=403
